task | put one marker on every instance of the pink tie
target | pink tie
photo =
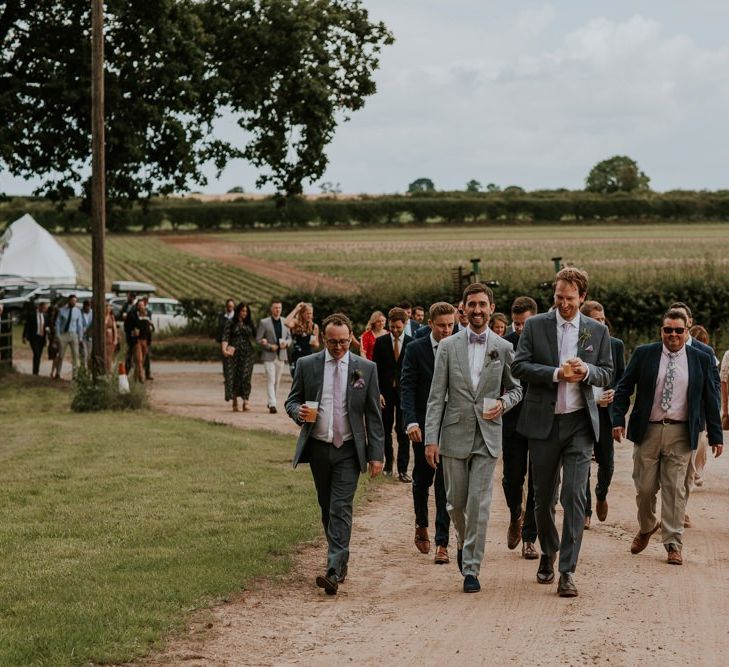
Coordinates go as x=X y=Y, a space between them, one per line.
x=337 y=411
x=562 y=386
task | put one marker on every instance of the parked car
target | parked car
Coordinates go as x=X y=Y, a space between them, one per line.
x=166 y=313
x=120 y=287
x=16 y=305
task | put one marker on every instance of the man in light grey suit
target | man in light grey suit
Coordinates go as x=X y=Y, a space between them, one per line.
x=274 y=337
x=461 y=433
x=340 y=437
x=561 y=355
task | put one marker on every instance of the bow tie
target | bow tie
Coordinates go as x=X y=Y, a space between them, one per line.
x=477 y=338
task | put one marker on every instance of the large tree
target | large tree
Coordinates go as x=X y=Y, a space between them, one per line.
x=289 y=70
x=617 y=174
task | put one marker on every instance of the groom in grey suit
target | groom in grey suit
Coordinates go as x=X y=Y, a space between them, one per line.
x=470 y=366
x=562 y=355
x=339 y=438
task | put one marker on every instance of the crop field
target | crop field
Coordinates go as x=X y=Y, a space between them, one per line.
x=520 y=255
x=175 y=273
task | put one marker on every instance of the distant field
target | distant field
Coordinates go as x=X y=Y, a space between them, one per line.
x=424 y=256
x=178 y=274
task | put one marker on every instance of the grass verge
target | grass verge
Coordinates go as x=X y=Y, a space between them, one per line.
x=114 y=527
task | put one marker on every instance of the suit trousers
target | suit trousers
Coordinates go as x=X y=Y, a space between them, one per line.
x=68 y=339
x=469 y=485
x=273 y=370
x=392 y=417
x=569 y=447
x=336 y=474
x=697 y=462
x=37 y=343
x=423 y=478
x=605 y=459
x=660 y=461
x=517 y=468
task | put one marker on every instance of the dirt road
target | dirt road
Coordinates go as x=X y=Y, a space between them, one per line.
x=397 y=607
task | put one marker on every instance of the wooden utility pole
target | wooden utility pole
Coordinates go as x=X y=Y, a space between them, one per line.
x=98 y=185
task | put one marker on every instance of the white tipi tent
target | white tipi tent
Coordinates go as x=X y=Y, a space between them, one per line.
x=28 y=250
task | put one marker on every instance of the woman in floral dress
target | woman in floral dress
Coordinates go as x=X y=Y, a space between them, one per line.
x=238 y=356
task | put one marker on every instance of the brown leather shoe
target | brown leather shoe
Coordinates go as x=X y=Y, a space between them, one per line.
x=641 y=540
x=441 y=556
x=674 y=556
x=528 y=551
x=687 y=522
x=587 y=522
x=513 y=535
x=422 y=541
x=601 y=509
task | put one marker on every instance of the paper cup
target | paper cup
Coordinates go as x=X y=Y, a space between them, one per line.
x=313 y=410
x=488 y=405
x=567 y=370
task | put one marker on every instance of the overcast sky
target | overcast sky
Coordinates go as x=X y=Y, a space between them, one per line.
x=533 y=94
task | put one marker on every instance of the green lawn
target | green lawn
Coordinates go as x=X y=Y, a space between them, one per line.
x=113 y=527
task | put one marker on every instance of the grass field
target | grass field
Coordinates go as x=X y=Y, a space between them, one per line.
x=114 y=527
x=175 y=273
x=521 y=255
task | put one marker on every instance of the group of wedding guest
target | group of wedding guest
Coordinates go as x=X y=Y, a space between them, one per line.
x=555 y=394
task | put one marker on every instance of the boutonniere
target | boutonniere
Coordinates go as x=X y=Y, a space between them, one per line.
x=584 y=339
x=494 y=354
x=358 y=382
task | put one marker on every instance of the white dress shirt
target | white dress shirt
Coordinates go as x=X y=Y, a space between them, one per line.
x=568 y=350
x=679 y=401
x=476 y=355
x=324 y=426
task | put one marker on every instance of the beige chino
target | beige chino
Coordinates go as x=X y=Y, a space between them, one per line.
x=660 y=462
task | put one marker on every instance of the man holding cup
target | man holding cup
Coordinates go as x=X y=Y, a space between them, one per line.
x=562 y=355
x=335 y=398
x=463 y=423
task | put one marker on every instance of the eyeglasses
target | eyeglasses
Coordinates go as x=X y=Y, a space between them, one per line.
x=670 y=330
x=332 y=342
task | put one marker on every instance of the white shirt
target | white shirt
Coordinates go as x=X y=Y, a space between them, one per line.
x=679 y=400
x=476 y=355
x=324 y=426
x=568 y=350
x=41 y=324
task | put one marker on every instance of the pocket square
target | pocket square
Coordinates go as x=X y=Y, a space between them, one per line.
x=589 y=348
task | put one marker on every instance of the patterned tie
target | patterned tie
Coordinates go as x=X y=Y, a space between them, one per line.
x=337 y=408
x=479 y=339
x=563 y=356
x=667 y=393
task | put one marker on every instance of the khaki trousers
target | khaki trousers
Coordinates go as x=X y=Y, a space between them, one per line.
x=697 y=462
x=661 y=461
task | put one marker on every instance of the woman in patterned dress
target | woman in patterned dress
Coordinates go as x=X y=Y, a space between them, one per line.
x=238 y=356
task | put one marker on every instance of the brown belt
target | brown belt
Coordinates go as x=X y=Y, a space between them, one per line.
x=665 y=421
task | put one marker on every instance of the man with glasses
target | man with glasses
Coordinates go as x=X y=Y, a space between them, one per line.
x=335 y=398
x=673 y=385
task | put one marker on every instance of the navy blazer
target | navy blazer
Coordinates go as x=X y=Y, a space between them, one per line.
x=415 y=380
x=617 y=351
x=641 y=375
x=388 y=370
x=510 y=418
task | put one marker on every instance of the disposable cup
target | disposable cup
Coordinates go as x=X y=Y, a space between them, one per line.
x=488 y=405
x=313 y=410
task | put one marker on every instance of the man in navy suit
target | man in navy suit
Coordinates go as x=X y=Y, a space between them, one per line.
x=674 y=386
x=34 y=332
x=604 y=445
x=415 y=380
x=388 y=356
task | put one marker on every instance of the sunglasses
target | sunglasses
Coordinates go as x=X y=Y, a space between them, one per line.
x=677 y=330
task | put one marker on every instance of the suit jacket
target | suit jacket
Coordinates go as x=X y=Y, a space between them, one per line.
x=537 y=356
x=617 y=353
x=30 y=328
x=266 y=330
x=641 y=375
x=463 y=413
x=363 y=405
x=707 y=349
x=220 y=326
x=511 y=418
x=415 y=379
x=388 y=370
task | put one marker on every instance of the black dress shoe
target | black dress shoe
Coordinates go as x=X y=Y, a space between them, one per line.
x=404 y=477
x=272 y=409
x=329 y=582
x=459 y=559
x=545 y=573
x=470 y=584
x=343 y=576
x=566 y=587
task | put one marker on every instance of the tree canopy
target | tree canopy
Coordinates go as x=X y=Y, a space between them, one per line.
x=421 y=185
x=289 y=70
x=617 y=174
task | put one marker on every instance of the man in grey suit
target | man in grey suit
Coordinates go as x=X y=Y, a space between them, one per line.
x=336 y=399
x=464 y=434
x=274 y=337
x=562 y=355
